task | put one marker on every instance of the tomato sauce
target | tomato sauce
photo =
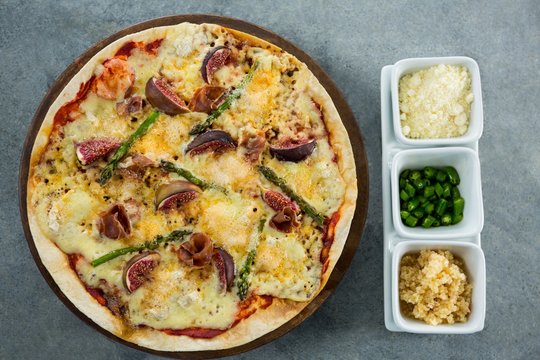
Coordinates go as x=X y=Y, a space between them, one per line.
x=328 y=239
x=95 y=292
x=65 y=114
x=150 y=48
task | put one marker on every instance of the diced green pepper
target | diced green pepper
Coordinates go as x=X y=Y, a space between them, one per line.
x=428 y=221
x=404 y=174
x=419 y=184
x=457 y=218
x=430 y=172
x=446 y=219
x=447 y=190
x=439 y=190
x=415 y=175
x=403 y=195
x=402 y=183
x=410 y=190
x=413 y=204
x=459 y=205
x=441 y=176
x=455 y=192
x=411 y=221
x=453 y=175
x=440 y=208
x=404 y=214
x=418 y=213
x=429 y=208
x=429 y=191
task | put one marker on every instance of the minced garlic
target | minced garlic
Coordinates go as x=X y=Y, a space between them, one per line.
x=435 y=102
x=434 y=288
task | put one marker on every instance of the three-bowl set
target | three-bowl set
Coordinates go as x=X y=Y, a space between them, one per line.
x=400 y=153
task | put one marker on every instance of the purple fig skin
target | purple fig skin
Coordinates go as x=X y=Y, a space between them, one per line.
x=177 y=200
x=137 y=269
x=214 y=60
x=160 y=95
x=215 y=140
x=294 y=152
x=90 y=150
x=177 y=191
x=225 y=265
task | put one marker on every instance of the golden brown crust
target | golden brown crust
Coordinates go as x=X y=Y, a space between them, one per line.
x=248 y=329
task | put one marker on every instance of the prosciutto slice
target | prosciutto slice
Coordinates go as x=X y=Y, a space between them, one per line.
x=285 y=220
x=114 y=223
x=197 y=251
x=206 y=99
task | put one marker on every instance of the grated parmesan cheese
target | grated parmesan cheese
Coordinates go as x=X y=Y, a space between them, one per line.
x=435 y=102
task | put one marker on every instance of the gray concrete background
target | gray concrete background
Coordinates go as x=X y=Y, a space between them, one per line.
x=352 y=40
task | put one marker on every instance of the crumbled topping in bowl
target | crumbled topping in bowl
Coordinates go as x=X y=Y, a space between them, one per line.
x=435 y=102
x=433 y=287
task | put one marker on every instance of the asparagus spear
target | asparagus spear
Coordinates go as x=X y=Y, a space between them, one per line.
x=304 y=205
x=148 y=245
x=108 y=171
x=235 y=94
x=243 y=275
x=170 y=167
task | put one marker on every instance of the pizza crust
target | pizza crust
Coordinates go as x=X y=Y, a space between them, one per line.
x=258 y=324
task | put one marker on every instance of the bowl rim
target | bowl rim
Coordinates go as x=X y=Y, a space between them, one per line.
x=402 y=66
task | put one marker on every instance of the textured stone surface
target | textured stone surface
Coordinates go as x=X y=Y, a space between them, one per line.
x=352 y=41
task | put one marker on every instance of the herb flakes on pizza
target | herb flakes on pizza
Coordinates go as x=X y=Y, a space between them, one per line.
x=191 y=188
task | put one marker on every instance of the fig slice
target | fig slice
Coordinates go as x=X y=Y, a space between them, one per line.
x=294 y=151
x=277 y=201
x=225 y=266
x=161 y=96
x=90 y=150
x=217 y=141
x=174 y=194
x=138 y=268
x=214 y=60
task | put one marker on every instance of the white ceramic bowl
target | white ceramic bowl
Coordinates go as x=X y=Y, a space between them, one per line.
x=466 y=162
x=476 y=120
x=475 y=269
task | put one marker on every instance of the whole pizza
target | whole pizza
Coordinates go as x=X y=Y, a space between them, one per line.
x=191 y=188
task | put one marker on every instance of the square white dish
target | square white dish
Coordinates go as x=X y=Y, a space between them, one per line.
x=406 y=66
x=474 y=263
x=466 y=162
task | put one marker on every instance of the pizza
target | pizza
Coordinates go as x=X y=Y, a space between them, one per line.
x=191 y=188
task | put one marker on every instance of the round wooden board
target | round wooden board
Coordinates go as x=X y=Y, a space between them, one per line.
x=345 y=112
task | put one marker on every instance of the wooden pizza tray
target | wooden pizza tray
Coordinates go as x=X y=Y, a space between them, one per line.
x=344 y=110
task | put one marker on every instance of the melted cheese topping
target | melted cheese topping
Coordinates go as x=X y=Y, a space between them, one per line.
x=68 y=199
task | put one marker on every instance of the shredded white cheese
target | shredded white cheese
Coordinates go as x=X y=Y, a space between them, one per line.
x=435 y=102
